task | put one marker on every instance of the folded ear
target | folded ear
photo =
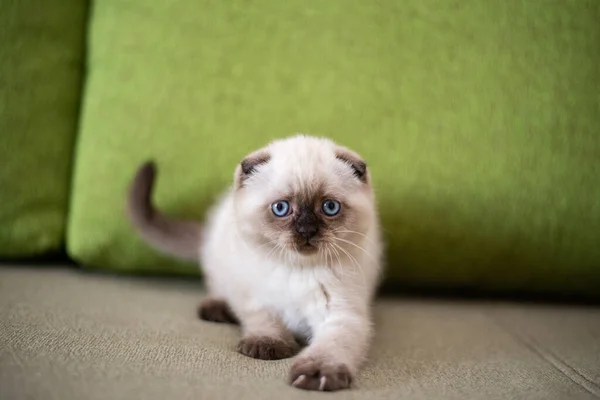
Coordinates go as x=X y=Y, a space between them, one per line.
x=248 y=166
x=355 y=162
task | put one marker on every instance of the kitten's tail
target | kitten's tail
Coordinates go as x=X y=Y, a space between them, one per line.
x=171 y=236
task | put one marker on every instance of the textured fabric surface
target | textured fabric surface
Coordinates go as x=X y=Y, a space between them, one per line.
x=41 y=64
x=480 y=121
x=67 y=335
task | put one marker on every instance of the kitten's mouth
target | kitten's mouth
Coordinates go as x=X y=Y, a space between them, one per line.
x=307 y=247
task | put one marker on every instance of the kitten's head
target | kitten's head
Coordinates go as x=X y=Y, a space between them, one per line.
x=304 y=198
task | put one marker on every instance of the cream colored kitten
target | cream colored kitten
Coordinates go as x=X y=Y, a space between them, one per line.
x=291 y=251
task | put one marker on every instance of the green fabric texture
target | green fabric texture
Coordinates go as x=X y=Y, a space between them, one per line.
x=41 y=64
x=480 y=122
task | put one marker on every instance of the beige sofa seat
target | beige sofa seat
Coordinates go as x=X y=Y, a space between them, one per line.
x=67 y=334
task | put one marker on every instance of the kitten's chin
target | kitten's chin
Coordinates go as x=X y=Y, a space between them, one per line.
x=306 y=249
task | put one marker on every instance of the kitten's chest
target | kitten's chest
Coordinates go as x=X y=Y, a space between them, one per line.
x=299 y=297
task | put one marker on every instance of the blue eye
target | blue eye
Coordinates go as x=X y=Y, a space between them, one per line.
x=331 y=207
x=280 y=208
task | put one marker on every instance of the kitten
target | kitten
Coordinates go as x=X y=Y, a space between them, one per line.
x=292 y=251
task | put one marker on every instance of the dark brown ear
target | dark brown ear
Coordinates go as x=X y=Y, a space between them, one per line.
x=353 y=160
x=248 y=166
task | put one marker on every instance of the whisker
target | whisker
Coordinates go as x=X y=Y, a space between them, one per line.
x=337 y=255
x=272 y=250
x=355 y=232
x=276 y=251
x=281 y=251
x=328 y=255
x=354 y=261
x=270 y=242
x=355 y=245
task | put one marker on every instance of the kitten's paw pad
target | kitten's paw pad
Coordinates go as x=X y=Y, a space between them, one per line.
x=313 y=374
x=216 y=310
x=267 y=348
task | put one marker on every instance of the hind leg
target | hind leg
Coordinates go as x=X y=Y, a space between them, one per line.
x=216 y=310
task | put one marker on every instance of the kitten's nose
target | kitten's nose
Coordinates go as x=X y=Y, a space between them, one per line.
x=307 y=232
x=307 y=224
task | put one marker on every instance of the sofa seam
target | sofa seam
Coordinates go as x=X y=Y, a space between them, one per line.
x=555 y=361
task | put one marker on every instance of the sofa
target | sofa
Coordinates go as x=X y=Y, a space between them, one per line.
x=480 y=123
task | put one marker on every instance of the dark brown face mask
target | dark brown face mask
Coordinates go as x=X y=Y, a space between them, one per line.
x=307 y=225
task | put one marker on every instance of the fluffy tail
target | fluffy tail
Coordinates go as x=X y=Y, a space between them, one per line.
x=171 y=236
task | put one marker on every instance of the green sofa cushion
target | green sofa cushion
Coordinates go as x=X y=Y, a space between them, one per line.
x=480 y=121
x=41 y=65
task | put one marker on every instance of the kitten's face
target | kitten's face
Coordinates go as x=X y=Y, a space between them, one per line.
x=304 y=198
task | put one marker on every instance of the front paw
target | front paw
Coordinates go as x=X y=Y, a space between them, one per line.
x=310 y=373
x=267 y=348
x=216 y=310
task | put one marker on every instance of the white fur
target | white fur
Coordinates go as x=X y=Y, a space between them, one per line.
x=274 y=290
